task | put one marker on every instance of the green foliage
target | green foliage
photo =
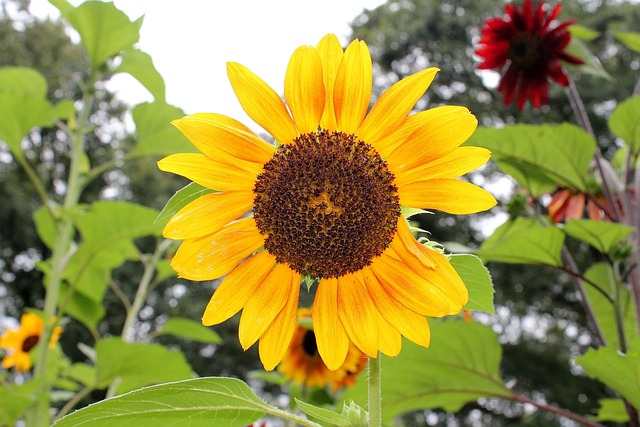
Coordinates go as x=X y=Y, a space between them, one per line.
x=612 y=410
x=105 y=30
x=12 y=404
x=134 y=365
x=140 y=65
x=477 y=279
x=524 y=241
x=591 y=64
x=190 y=329
x=182 y=198
x=601 y=235
x=542 y=157
x=323 y=415
x=625 y=123
x=156 y=135
x=617 y=370
x=629 y=39
x=200 y=402
x=583 y=33
x=460 y=366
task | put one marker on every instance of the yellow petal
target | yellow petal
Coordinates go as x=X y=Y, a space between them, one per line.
x=208 y=214
x=406 y=246
x=261 y=103
x=212 y=133
x=358 y=314
x=394 y=104
x=389 y=339
x=453 y=165
x=447 y=195
x=209 y=173
x=434 y=139
x=276 y=339
x=411 y=290
x=352 y=91
x=213 y=256
x=331 y=54
x=265 y=304
x=304 y=89
x=391 y=141
x=409 y=323
x=237 y=287
x=331 y=337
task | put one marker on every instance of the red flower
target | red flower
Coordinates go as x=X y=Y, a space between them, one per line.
x=527 y=45
x=567 y=205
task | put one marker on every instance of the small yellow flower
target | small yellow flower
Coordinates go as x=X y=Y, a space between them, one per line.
x=325 y=202
x=303 y=365
x=18 y=343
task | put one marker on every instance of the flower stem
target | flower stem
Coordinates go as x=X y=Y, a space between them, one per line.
x=375 y=391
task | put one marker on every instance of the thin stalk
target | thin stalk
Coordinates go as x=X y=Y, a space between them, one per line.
x=558 y=411
x=375 y=391
x=40 y=417
x=37 y=184
x=141 y=296
x=73 y=402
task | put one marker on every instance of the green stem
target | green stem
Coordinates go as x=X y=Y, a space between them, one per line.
x=37 y=184
x=40 y=416
x=375 y=392
x=141 y=296
x=73 y=402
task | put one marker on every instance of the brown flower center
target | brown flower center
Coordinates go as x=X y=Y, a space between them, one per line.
x=309 y=344
x=527 y=51
x=30 y=342
x=327 y=204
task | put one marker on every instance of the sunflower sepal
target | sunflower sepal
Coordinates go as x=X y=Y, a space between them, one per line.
x=408 y=212
x=323 y=414
x=357 y=416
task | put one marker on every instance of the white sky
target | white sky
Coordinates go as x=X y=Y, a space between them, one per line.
x=191 y=41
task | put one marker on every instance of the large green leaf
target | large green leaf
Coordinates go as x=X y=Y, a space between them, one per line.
x=107 y=230
x=625 y=122
x=140 y=66
x=156 y=135
x=200 y=402
x=619 y=371
x=629 y=39
x=138 y=364
x=523 y=241
x=612 y=410
x=602 y=275
x=104 y=29
x=600 y=234
x=477 y=279
x=23 y=105
x=540 y=157
x=460 y=366
x=180 y=199
x=190 y=329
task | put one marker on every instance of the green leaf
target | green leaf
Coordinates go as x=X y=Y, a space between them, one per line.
x=323 y=414
x=625 y=123
x=629 y=39
x=477 y=279
x=84 y=309
x=540 y=157
x=138 y=364
x=461 y=365
x=140 y=66
x=523 y=241
x=23 y=105
x=12 y=406
x=583 y=33
x=191 y=330
x=82 y=373
x=45 y=226
x=180 y=199
x=600 y=234
x=602 y=275
x=619 y=371
x=156 y=135
x=612 y=410
x=592 y=64
x=104 y=29
x=200 y=402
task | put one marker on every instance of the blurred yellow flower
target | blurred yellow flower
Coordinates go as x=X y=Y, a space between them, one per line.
x=325 y=202
x=18 y=343
x=303 y=365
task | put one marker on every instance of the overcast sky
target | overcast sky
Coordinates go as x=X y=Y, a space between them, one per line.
x=190 y=42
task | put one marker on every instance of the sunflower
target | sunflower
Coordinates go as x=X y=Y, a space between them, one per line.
x=324 y=202
x=303 y=365
x=528 y=45
x=18 y=343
